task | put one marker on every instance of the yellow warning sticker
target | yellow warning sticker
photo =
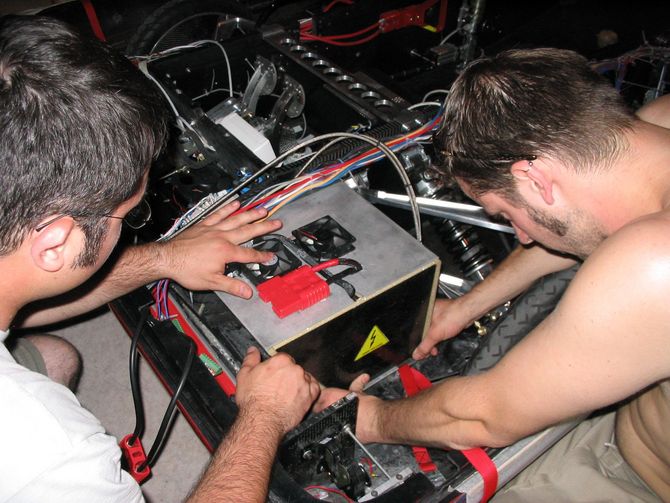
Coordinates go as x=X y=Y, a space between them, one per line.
x=376 y=339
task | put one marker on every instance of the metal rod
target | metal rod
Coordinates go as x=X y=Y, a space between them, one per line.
x=346 y=429
x=661 y=81
x=466 y=213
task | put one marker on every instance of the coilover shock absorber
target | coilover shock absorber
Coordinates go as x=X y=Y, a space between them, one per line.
x=465 y=246
x=461 y=240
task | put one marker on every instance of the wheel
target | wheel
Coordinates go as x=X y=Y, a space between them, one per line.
x=180 y=22
x=524 y=315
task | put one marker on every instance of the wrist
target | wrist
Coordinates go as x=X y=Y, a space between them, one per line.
x=370 y=420
x=479 y=301
x=161 y=266
x=468 y=307
x=262 y=418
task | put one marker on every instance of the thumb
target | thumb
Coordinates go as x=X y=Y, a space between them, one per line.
x=426 y=347
x=359 y=383
x=252 y=358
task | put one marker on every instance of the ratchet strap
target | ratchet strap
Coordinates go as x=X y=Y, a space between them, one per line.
x=414 y=381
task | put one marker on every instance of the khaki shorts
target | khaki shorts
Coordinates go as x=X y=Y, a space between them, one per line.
x=26 y=354
x=584 y=466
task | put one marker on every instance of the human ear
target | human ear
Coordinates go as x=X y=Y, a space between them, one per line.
x=49 y=244
x=538 y=176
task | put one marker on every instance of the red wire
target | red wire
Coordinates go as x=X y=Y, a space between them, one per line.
x=335 y=2
x=93 y=20
x=272 y=196
x=327 y=171
x=325 y=265
x=368 y=461
x=342 y=44
x=345 y=35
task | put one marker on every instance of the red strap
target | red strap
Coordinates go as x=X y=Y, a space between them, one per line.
x=414 y=381
x=486 y=468
x=93 y=20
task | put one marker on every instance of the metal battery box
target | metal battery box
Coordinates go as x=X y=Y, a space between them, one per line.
x=339 y=338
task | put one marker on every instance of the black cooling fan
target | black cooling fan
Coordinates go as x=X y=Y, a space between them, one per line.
x=283 y=262
x=325 y=239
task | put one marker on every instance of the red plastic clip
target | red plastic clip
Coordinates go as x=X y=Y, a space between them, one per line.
x=135 y=457
x=294 y=291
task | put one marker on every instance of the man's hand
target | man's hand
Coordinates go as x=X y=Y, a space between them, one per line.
x=197 y=258
x=447 y=321
x=366 y=420
x=277 y=388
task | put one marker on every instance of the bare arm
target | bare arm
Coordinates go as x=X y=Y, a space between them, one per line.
x=657 y=111
x=514 y=275
x=606 y=340
x=273 y=397
x=195 y=259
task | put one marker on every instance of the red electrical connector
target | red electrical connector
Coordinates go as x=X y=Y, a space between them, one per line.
x=412 y=15
x=294 y=291
x=135 y=458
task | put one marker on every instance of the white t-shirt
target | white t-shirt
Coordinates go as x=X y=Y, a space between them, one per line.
x=51 y=448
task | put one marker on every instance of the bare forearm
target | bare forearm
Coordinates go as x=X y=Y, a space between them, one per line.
x=513 y=276
x=455 y=414
x=134 y=267
x=240 y=468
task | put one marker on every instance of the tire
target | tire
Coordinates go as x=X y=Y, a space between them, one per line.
x=180 y=22
x=525 y=314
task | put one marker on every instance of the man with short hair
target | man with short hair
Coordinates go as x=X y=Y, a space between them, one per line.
x=539 y=139
x=79 y=127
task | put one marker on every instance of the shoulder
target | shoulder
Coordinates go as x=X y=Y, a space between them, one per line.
x=53 y=443
x=639 y=251
x=624 y=286
x=656 y=112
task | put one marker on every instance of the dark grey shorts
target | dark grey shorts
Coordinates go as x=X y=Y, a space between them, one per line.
x=25 y=353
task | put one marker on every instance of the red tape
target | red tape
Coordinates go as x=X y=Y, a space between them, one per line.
x=414 y=381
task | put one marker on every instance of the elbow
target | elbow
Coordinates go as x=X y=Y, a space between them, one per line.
x=496 y=436
x=498 y=427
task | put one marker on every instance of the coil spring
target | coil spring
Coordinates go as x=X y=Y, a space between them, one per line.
x=464 y=244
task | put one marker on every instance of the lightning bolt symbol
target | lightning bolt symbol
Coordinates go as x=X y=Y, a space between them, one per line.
x=372 y=339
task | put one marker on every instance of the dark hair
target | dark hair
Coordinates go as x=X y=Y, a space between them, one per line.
x=526 y=103
x=79 y=126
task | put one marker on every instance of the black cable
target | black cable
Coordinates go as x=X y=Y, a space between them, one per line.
x=354 y=267
x=171 y=409
x=337 y=278
x=134 y=378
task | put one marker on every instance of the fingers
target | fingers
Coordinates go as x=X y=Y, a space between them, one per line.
x=422 y=350
x=222 y=213
x=241 y=234
x=242 y=218
x=425 y=348
x=236 y=287
x=359 y=383
x=314 y=387
x=327 y=397
x=245 y=255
